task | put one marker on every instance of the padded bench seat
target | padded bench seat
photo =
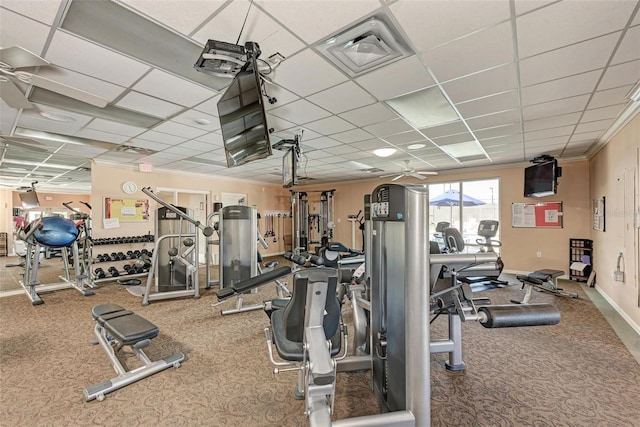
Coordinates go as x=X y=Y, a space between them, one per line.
x=124 y=325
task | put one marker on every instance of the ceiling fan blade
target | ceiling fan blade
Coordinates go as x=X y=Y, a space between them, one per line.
x=69 y=91
x=12 y=95
x=387 y=176
x=397 y=177
x=428 y=173
x=415 y=175
x=19 y=57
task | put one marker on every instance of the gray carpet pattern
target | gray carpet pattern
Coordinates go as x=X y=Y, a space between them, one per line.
x=577 y=373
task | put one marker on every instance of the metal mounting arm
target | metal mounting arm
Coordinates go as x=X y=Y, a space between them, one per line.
x=206 y=230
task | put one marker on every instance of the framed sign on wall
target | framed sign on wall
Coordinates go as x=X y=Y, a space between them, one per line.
x=598 y=206
x=126 y=210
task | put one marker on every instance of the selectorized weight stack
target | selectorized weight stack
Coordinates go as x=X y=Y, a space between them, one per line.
x=173 y=276
x=238 y=228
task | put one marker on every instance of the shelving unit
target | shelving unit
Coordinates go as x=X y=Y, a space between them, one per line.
x=580 y=255
x=4 y=244
x=110 y=245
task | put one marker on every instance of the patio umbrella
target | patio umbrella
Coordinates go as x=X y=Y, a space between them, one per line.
x=452 y=198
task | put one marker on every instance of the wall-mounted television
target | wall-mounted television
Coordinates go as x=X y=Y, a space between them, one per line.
x=289 y=166
x=29 y=200
x=242 y=117
x=541 y=179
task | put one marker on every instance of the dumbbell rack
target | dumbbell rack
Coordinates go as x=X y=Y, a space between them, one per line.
x=128 y=257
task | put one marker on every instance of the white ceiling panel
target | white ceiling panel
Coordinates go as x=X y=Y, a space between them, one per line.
x=498 y=131
x=183 y=19
x=490 y=104
x=587 y=136
x=300 y=111
x=368 y=115
x=307 y=73
x=431 y=23
x=280 y=94
x=212 y=138
x=163 y=138
x=7 y=117
x=551 y=122
x=404 y=137
x=341 y=149
x=190 y=118
x=530 y=5
x=98 y=87
x=370 y=144
x=174 y=89
x=312 y=20
x=148 y=105
x=574 y=59
x=321 y=143
x=259 y=28
x=502 y=140
x=32 y=119
x=476 y=52
x=343 y=97
x=561 y=88
x=384 y=83
x=353 y=135
x=43 y=11
x=115 y=127
x=497 y=119
x=605 y=98
x=389 y=127
x=196 y=146
x=554 y=108
x=601 y=113
x=330 y=125
x=72 y=52
x=180 y=130
x=620 y=75
x=629 y=49
x=443 y=130
x=209 y=106
x=102 y=136
x=555 y=26
x=16 y=30
x=495 y=80
x=548 y=133
x=596 y=126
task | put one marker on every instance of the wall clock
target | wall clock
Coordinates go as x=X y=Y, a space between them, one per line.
x=129 y=187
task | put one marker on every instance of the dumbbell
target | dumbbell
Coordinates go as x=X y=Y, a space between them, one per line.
x=99 y=272
x=113 y=271
x=137 y=254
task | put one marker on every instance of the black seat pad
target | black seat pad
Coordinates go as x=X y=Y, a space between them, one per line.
x=123 y=325
x=290 y=350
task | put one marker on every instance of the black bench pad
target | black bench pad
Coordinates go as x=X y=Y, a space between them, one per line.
x=123 y=325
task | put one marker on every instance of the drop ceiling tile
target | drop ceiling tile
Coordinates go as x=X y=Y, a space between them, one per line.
x=301 y=111
x=115 y=127
x=180 y=130
x=368 y=115
x=496 y=80
x=279 y=125
x=574 y=59
x=389 y=127
x=16 y=30
x=280 y=94
x=370 y=144
x=42 y=11
x=556 y=26
x=573 y=152
x=212 y=138
x=605 y=98
x=502 y=141
x=454 y=139
x=173 y=89
x=492 y=120
x=352 y=135
x=150 y=145
x=313 y=20
x=209 y=106
x=475 y=52
x=384 y=83
x=343 y=97
x=307 y=72
x=183 y=19
x=197 y=147
x=7 y=117
x=527 y=6
x=497 y=131
x=548 y=133
x=560 y=88
x=490 y=104
x=620 y=75
x=330 y=125
x=259 y=28
x=601 y=113
x=587 y=136
x=341 y=149
x=629 y=49
x=431 y=23
x=596 y=126
x=179 y=150
x=72 y=52
x=322 y=143
x=405 y=137
x=552 y=122
x=292 y=131
x=148 y=105
x=160 y=137
x=555 y=108
x=557 y=141
x=443 y=130
x=102 y=136
x=318 y=154
x=189 y=118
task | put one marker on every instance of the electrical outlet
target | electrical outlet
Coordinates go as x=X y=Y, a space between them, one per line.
x=539 y=254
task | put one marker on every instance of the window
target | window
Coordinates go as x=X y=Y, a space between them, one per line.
x=463 y=204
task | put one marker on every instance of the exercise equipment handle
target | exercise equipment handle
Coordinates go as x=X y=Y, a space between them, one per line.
x=206 y=230
x=68 y=206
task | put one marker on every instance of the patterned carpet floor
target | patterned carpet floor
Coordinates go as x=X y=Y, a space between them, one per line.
x=577 y=373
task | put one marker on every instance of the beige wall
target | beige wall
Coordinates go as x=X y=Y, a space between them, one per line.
x=519 y=245
x=106 y=181
x=612 y=176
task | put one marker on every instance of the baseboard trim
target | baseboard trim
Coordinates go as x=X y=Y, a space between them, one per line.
x=617 y=308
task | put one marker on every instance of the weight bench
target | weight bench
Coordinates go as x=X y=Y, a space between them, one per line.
x=116 y=328
x=542 y=280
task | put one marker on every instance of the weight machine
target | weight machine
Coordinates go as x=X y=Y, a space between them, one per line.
x=304 y=223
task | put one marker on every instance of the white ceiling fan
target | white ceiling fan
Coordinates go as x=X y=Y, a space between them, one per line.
x=409 y=171
x=13 y=60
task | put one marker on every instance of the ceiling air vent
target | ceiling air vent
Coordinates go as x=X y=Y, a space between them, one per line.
x=366 y=46
x=134 y=150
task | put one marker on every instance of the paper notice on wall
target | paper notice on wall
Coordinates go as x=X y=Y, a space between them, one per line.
x=128 y=211
x=523 y=215
x=551 y=215
x=111 y=223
